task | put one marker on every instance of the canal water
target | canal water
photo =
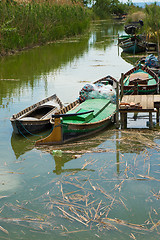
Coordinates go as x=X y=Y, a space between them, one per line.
x=103 y=187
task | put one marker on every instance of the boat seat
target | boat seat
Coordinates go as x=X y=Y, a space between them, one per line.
x=29 y=119
x=138 y=75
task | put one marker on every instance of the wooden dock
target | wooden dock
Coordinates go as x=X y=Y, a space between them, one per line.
x=139 y=104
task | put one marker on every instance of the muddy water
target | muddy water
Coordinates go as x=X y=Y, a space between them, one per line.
x=103 y=187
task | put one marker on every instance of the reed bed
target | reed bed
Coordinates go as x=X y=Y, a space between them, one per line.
x=28 y=23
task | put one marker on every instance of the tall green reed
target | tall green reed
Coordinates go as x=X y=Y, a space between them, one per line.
x=27 y=24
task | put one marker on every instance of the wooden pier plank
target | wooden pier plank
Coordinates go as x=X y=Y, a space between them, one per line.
x=144 y=101
x=150 y=102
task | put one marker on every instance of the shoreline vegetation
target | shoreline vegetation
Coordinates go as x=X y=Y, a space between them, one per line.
x=27 y=24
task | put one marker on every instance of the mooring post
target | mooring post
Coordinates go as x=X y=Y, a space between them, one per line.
x=121 y=82
x=125 y=120
x=150 y=120
x=157 y=116
x=117 y=105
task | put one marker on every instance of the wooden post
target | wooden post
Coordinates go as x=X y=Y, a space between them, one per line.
x=150 y=120
x=117 y=106
x=123 y=120
x=157 y=116
x=122 y=84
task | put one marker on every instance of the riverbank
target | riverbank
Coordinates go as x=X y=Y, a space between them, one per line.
x=25 y=25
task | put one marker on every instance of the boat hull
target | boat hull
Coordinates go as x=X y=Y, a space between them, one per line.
x=31 y=127
x=36 y=118
x=131 y=47
x=75 y=131
x=82 y=119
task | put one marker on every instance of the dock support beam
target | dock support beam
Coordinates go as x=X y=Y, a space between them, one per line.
x=122 y=84
x=123 y=120
x=117 y=105
x=157 y=116
x=150 y=120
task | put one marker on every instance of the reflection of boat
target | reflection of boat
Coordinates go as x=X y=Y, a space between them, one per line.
x=140 y=80
x=20 y=145
x=61 y=160
x=36 y=117
x=79 y=119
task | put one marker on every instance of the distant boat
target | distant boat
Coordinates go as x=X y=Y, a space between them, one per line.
x=133 y=27
x=80 y=119
x=133 y=45
x=124 y=37
x=36 y=118
x=140 y=80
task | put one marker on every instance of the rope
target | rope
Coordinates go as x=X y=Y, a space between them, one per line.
x=30 y=132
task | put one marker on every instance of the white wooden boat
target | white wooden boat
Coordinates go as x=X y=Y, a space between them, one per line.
x=36 y=118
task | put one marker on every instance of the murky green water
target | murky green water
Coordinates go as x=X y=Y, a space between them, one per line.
x=103 y=187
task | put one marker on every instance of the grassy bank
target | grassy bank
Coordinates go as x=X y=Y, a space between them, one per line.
x=37 y=22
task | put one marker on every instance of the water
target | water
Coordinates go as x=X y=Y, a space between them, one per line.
x=103 y=187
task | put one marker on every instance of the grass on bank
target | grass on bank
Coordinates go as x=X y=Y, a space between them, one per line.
x=25 y=24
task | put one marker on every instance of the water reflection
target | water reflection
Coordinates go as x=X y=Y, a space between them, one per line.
x=26 y=69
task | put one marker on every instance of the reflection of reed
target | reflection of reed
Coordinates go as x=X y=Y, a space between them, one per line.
x=44 y=59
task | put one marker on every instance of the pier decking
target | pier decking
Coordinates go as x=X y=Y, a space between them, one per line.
x=139 y=103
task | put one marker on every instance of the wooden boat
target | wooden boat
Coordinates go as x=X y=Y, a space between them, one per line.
x=123 y=38
x=36 y=118
x=140 y=80
x=133 y=27
x=80 y=119
x=133 y=45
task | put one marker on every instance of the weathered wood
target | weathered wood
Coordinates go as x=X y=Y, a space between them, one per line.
x=122 y=84
x=157 y=116
x=149 y=103
x=150 y=121
x=117 y=106
x=144 y=101
x=123 y=120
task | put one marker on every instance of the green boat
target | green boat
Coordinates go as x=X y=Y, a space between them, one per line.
x=140 y=80
x=122 y=38
x=80 y=119
x=133 y=45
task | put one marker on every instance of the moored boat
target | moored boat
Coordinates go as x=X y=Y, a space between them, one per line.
x=140 y=80
x=36 y=118
x=133 y=45
x=83 y=117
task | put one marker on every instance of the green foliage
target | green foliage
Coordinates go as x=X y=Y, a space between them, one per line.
x=104 y=8
x=152 y=20
x=27 y=24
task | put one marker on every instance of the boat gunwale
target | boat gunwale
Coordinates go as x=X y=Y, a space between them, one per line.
x=144 y=68
x=33 y=107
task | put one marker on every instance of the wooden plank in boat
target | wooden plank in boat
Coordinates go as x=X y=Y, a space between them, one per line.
x=138 y=75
